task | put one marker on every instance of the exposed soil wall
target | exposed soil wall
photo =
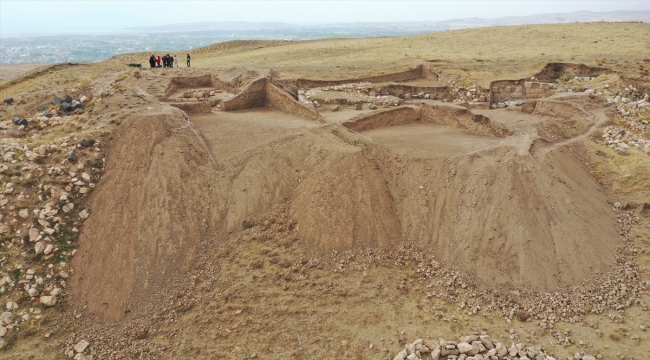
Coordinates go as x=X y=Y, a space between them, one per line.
x=280 y=100
x=556 y=109
x=397 y=116
x=463 y=118
x=254 y=95
x=415 y=73
x=554 y=71
x=195 y=107
x=448 y=115
x=222 y=85
x=188 y=82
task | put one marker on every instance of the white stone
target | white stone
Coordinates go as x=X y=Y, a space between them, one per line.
x=435 y=354
x=401 y=355
x=48 y=249
x=468 y=349
x=33 y=292
x=48 y=300
x=39 y=247
x=84 y=214
x=33 y=234
x=3 y=331
x=81 y=346
x=24 y=213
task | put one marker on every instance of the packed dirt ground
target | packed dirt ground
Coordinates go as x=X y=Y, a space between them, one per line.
x=395 y=209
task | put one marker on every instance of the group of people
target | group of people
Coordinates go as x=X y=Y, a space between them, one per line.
x=166 y=61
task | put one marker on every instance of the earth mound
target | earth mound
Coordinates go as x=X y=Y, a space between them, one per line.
x=483 y=202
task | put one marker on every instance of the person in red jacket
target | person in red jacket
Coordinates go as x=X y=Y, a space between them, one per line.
x=158 y=60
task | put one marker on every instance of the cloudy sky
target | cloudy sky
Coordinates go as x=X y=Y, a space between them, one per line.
x=26 y=16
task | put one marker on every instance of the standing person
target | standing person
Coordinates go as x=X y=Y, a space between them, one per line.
x=175 y=60
x=158 y=61
x=152 y=61
x=188 y=60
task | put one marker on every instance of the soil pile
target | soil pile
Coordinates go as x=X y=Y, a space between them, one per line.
x=482 y=203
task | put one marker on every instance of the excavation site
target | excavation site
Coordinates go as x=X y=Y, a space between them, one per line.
x=238 y=211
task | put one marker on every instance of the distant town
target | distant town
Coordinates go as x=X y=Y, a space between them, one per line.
x=92 y=48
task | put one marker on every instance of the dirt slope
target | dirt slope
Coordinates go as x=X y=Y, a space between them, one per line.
x=465 y=186
x=147 y=219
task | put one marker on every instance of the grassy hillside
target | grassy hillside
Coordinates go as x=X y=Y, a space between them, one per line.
x=474 y=55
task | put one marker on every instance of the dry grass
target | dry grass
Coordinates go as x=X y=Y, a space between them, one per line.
x=624 y=176
x=474 y=55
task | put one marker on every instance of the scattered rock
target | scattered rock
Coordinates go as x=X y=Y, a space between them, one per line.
x=24 y=213
x=48 y=300
x=56 y=101
x=33 y=292
x=8 y=101
x=72 y=157
x=33 y=234
x=81 y=346
x=39 y=247
x=41 y=108
x=372 y=107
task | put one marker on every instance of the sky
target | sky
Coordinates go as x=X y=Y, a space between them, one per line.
x=26 y=16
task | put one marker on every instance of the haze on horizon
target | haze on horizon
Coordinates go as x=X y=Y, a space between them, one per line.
x=25 y=17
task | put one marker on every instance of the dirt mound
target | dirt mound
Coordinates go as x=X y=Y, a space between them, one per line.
x=515 y=220
x=455 y=182
x=145 y=227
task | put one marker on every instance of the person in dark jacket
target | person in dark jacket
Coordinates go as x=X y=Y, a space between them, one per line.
x=188 y=60
x=152 y=61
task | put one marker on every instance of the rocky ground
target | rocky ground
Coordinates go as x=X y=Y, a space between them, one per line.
x=53 y=156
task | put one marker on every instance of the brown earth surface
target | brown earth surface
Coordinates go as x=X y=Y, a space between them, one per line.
x=288 y=230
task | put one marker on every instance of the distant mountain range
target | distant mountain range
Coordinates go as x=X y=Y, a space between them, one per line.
x=419 y=26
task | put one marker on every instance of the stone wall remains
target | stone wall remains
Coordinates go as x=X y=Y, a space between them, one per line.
x=503 y=90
